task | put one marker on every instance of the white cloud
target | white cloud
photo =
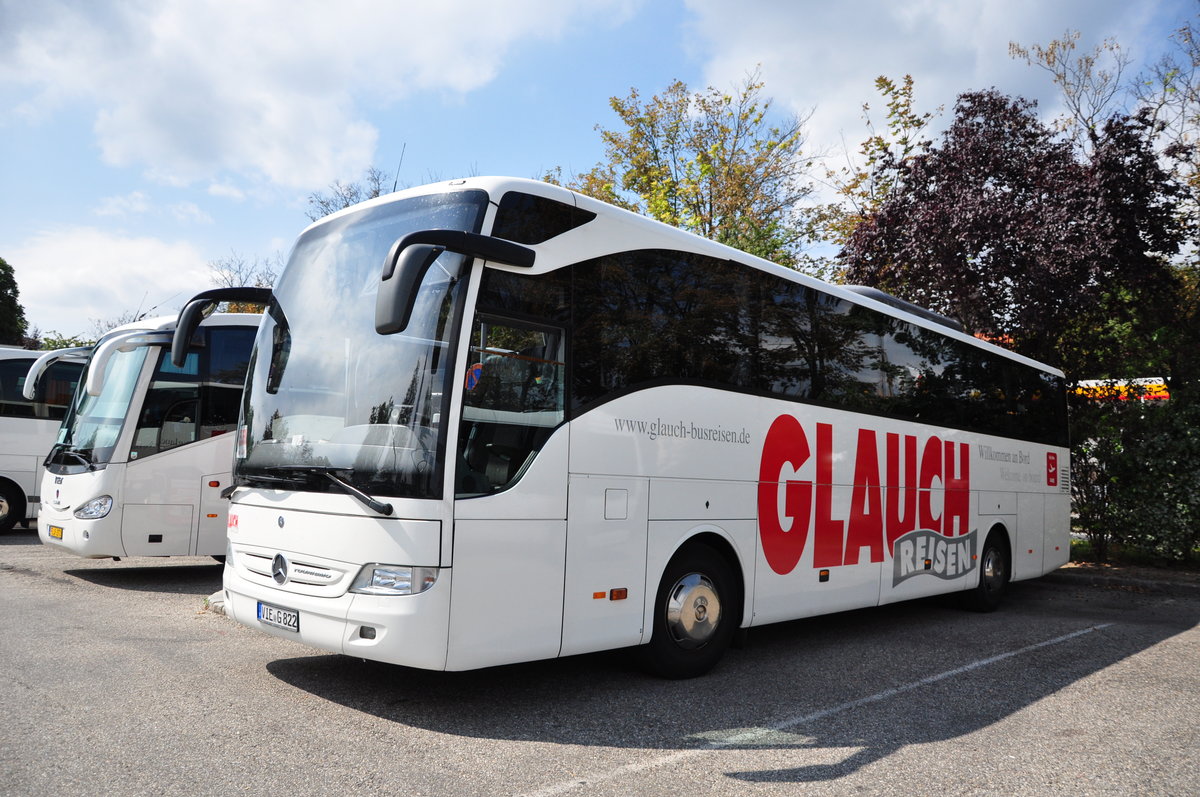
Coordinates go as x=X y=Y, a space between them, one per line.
x=189 y=213
x=226 y=190
x=274 y=89
x=67 y=277
x=824 y=57
x=135 y=203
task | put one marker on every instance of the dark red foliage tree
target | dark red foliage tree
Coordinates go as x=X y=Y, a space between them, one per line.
x=1005 y=229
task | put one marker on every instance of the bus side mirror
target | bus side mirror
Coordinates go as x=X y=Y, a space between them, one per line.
x=43 y=363
x=404 y=270
x=200 y=306
x=410 y=258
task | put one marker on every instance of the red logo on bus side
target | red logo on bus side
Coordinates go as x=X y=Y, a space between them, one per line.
x=884 y=504
x=1051 y=469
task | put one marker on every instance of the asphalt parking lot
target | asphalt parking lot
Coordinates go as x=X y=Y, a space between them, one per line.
x=118 y=679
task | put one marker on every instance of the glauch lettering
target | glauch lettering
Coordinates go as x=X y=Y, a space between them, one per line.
x=900 y=484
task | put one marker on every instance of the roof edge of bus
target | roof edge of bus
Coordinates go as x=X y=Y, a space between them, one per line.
x=465 y=183
x=166 y=323
x=698 y=244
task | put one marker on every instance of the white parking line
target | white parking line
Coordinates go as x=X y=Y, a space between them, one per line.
x=757 y=734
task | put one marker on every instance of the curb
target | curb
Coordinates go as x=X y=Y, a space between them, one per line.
x=1166 y=587
x=216 y=602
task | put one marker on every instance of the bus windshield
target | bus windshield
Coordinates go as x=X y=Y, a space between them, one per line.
x=326 y=393
x=88 y=435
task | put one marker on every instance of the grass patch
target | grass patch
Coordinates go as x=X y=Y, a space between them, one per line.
x=1082 y=551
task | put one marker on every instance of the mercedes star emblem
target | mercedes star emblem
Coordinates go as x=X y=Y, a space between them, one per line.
x=279 y=568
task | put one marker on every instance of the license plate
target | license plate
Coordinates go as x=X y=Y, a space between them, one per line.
x=278 y=616
x=56 y=532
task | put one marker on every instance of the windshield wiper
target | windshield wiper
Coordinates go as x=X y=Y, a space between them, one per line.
x=61 y=449
x=329 y=473
x=366 y=500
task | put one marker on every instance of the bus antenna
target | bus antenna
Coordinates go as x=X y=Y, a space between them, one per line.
x=396 y=181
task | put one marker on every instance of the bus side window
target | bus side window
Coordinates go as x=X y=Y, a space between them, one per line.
x=12 y=380
x=168 y=416
x=512 y=402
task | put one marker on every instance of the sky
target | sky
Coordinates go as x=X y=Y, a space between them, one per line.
x=142 y=140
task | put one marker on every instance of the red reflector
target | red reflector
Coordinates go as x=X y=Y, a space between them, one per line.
x=214 y=484
x=618 y=594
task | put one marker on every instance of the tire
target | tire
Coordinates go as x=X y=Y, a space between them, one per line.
x=994 y=567
x=696 y=612
x=12 y=506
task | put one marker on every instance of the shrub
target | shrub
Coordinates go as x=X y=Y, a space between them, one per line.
x=1136 y=477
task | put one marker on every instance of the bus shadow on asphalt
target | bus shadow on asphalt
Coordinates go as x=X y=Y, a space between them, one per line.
x=20 y=536
x=178 y=579
x=842 y=690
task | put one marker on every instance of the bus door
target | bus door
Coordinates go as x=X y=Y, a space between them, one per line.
x=1031 y=535
x=605 y=581
x=181 y=444
x=510 y=482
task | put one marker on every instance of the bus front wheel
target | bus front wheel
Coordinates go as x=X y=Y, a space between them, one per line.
x=12 y=506
x=694 y=615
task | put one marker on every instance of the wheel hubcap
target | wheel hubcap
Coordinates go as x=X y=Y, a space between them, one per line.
x=993 y=571
x=693 y=610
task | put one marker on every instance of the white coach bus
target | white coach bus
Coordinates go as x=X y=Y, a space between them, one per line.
x=144 y=451
x=28 y=426
x=491 y=421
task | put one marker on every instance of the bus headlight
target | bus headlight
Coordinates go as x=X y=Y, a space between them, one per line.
x=95 y=509
x=376 y=579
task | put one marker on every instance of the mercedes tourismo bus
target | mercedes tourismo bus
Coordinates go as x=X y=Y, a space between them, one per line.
x=28 y=426
x=144 y=451
x=491 y=420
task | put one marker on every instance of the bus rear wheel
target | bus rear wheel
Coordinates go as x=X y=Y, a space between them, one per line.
x=12 y=506
x=993 y=577
x=694 y=615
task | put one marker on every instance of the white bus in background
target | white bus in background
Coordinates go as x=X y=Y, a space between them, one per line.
x=492 y=420
x=28 y=426
x=144 y=451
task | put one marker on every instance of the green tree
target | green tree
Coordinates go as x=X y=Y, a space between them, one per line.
x=12 y=314
x=52 y=340
x=710 y=162
x=1135 y=477
x=862 y=185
